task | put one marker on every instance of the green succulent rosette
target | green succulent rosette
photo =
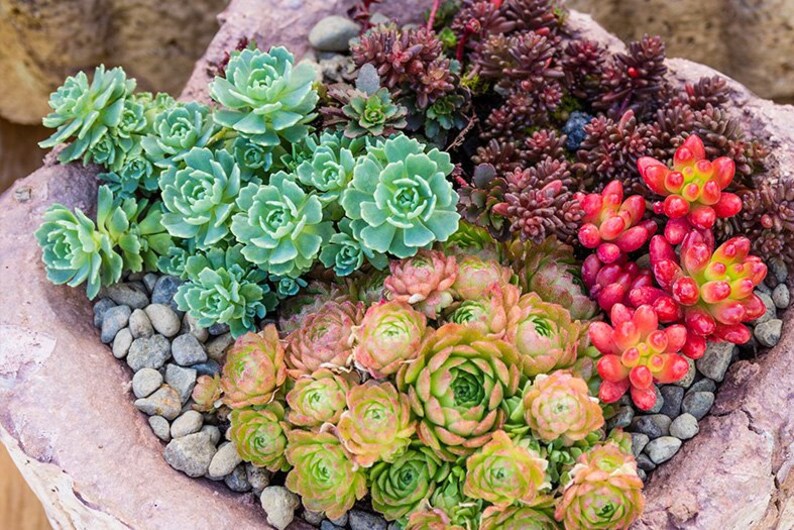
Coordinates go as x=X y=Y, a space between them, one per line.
x=174 y=262
x=345 y=254
x=286 y=286
x=330 y=168
x=265 y=97
x=199 y=198
x=319 y=398
x=399 y=199
x=223 y=288
x=472 y=240
x=260 y=436
x=84 y=113
x=136 y=174
x=449 y=497
x=323 y=474
x=402 y=486
x=254 y=160
x=280 y=226
x=176 y=131
x=517 y=518
x=443 y=115
x=373 y=114
x=254 y=369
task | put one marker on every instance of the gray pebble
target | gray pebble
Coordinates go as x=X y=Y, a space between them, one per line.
x=653 y=425
x=672 y=400
x=187 y=350
x=140 y=325
x=127 y=294
x=767 y=333
x=314 y=518
x=164 y=291
x=662 y=449
x=163 y=319
x=189 y=422
x=684 y=427
x=160 y=427
x=771 y=309
x=697 y=404
x=645 y=463
x=704 y=385
x=191 y=454
x=279 y=504
x=224 y=461
x=657 y=406
x=333 y=33
x=638 y=443
x=145 y=382
x=102 y=305
x=778 y=269
x=237 y=481
x=216 y=348
x=164 y=402
x=781 y=296
x=182 y=379
x=190 y=325
x=689 y=377
x=328 y=525
x=642 y=474
x=360 y=520
x=218 y=329
x=150 y=352
x=258 y=477
x=341 y=520
x=214 y=433
x=114 y=320
x=208 y=368
x=716 y=360
x=622 y=418
x=149 y=281
x=378 y=18
x=122 y=343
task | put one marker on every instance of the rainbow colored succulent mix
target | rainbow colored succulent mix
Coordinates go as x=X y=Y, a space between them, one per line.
x=482 y=234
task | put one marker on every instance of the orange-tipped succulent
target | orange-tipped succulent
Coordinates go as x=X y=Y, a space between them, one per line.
x=713 y=287
x=254 y=369
x=260 y=436
x=207 y=393
x=693 y=189
x=491 y=314
x=517 y=518
x=636 y=354
x=431 y=519
x=476 y=276
x=423 y=281
x=319 y=399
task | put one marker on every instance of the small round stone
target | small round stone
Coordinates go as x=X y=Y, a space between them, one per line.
x=716 y=360
x=189 y=422
x=214 y=432
x=210 y=368
x=187 y=350
x=314 y=518
x=704 y=385
x=662 y=449
x=160 y=427
x=781 y=296
x=127 y=294
x=645 y=463
x=164 y=402
x=216 y=348
x=333 y=33
x=190 y=325
x=258 y=477
x=114 y=320
x=642 y=474
x=771 y=309
x=684 y=427
x=150 y=352
x=638 y=442
x=122 y=343
x=181 y=379
x=689 y=377
x=341 y=520
x=218 y=329
x=164 y=291
x=652 y=425
x=328 y=525
x=149 y=281
x=237 y=481
x=360 y=520
x=778 y=269
x=657 y=406
x=163 y=319
x=622 y=418
x=697 y=404
x=224 y=461
x=145 y=382
x=672 y=400
x=100 y=307
x=140 y=325
x=279 y=504
x=191 y=454
x=767 y=333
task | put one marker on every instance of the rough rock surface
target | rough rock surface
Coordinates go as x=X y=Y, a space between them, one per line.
x=48 y=344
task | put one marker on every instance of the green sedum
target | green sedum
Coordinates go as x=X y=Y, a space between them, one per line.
x=176 y=131
x=329 y=170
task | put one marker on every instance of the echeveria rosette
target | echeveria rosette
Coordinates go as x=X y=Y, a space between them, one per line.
x=544 y=335
x=559 y=406
x=491 y=313
x=323 y=339
x=373 y=114
x=223 y=288
x=476 y=277
x=430 y=519
x=280 y=226
x=457 y=385
x=399 y=199
x=260 y=436
x=389 y=336
x=254 y=160
x=265 y=97
x=329 y=170
x=517 y=518
x=294 y=310
x=319 y=398
x=254 y=369
x=84 y=113
x=402 y=486
x=199 y=198
x=442 y=116
x=108 y=151
x=504 y=473
x=323 y=473
x=605 y=492
x=449 y=497
x=345 y=254
x=377 y=425
x=176 y=131
x=207 y=393
x=287 y=287
x=423 y=280
x=472 y=240
x=174 y=261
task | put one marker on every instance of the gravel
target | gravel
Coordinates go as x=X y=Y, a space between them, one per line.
x=314 y=518
x=659 y=403
x=778 y=270
x=622 y=418
x=160 y=427
x=214 y=432
x=697 y=404
x=164 y=291
x=102 y=305
x=704 y=385
x=771 y=310
x=191 y=454
x=190 y=325
x=279 y=504
x=662 y=449
x=140 y=325
x=187 y=350
x=127 y=294
x=328 y=525
x=237 y=480
x=208 y=368
x=181 y=379
x=684 y=427
x=645 y=463
x=333 y=33
x=652 y=425
x=767 y=333
x=218 y=329
x=224 y=461
x=189 y=422
x=781 y=296
x=716 y=360
x=122 y=343
x=638 y=443
x=114 y=320
x=150 y=352
x=673 y=395
x=341 y=520
x=163 y=319
x=689 y=378
x=149 y=281
x=145 y=382
x=216 y=347
x=164 y=402
x=360 y=520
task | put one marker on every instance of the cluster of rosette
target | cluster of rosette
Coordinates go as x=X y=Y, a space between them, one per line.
x=698 y=292
x=447 y=390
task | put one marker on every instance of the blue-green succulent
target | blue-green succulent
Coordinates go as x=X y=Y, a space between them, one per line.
x=174 y=261
x=286 y=286
x=254 y=160
x=281 y=226
x=329 y=169
x=345 y=254
x=199 y=198
x=400 y=199
x=265 y=96
x=177 y=130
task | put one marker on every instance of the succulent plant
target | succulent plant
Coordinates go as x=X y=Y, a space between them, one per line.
x=472 y=240
x=431 y=519
x=449 y=497
x=294 y=310
x=456 y=386
x=619 y=283
x=260 y=436
x=323 y=474
x=479 y=197
x=399 y=198
x=254 y=369
x=174 y=261
x=280 y=226
x=559 y=406
x=254 y=159
x=477 y=276
x=318 y=399
x=323 y=339
x=345 y=254
x=264 y=97
x=517 y=518
x=492 y=313
x=329 y=170
x=286 y=286
x=389 y=335
x=200 y=197
x=135 y=227
x=636 y=353
x=207 y=393
x=223 y=288
x=544 y=336
x=504 y=473
x=85 y=113
x=693 y=189
x=423 y=281
x=108 y=151
x=364 y=113
x=605 y=491
x=176 y=131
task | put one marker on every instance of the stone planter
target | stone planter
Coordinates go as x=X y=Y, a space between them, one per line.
x=68 y=421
